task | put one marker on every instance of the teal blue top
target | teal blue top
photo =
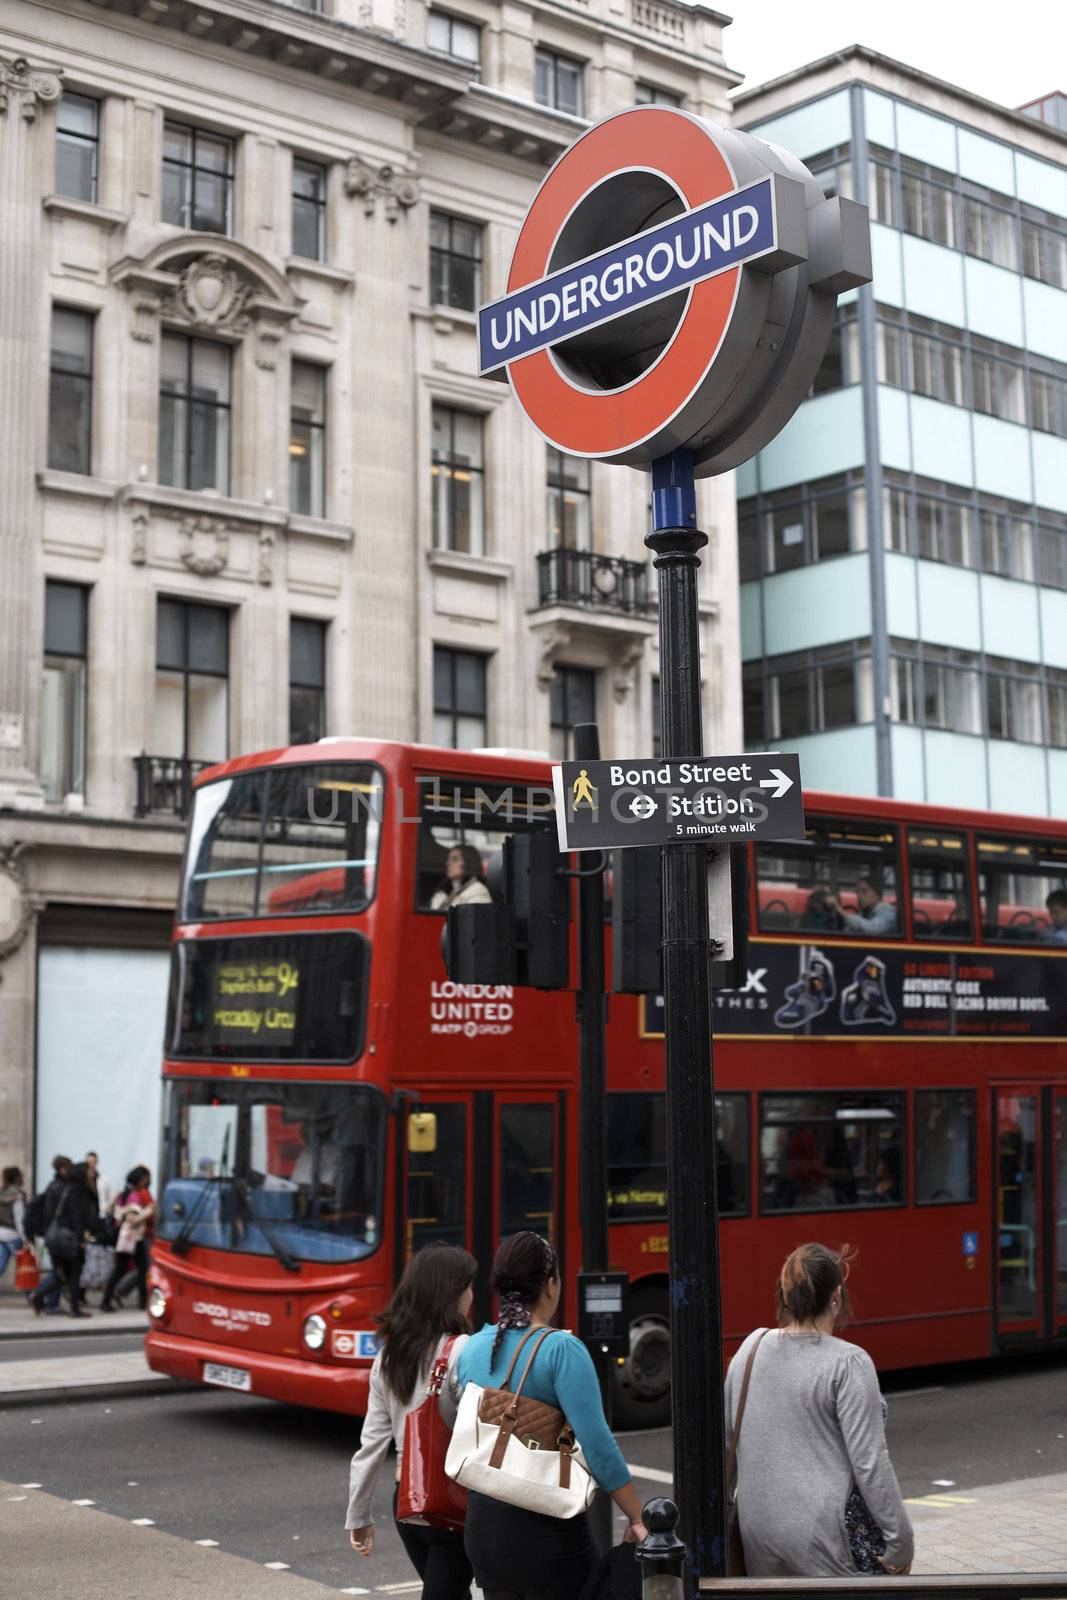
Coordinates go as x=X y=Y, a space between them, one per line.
x=562 y=1375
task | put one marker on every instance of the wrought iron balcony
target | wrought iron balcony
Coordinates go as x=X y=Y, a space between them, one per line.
x=602 y=583
x=165 y=784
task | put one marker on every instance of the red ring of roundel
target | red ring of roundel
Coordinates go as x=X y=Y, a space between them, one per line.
x=685 y=152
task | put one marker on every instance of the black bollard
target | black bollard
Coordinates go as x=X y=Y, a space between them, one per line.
x=662 y=1555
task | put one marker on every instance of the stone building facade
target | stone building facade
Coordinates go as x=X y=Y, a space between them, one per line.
x=253 y=490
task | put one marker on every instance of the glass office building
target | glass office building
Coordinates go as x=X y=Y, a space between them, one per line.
x=903 y=542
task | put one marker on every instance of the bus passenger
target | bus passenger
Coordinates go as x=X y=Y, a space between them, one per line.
x=816 y=1493
x=1056 y=906
x=875 y=915
x=519 y=1554
x=431 y=1305
x=464 y=882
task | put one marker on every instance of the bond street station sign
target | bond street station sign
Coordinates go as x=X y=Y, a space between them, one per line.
x=602 y=805
x=673 y=286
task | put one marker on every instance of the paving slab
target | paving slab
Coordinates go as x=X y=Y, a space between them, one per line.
x=1002 y=1527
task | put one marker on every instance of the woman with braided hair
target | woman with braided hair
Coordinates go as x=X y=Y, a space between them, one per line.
x=816 y=1493
x=518 y=1554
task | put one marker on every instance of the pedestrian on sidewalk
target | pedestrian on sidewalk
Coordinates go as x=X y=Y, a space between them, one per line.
x=39 y=1216
x=12 y=1215
x=430 y=1307
x=100 y=1186
x=69 y=1231
x=816 y=1492
x=519 y=1554
x=133 y=1212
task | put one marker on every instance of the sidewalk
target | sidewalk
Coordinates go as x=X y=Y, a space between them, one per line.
x=1003 y=1527
x=68 y=1362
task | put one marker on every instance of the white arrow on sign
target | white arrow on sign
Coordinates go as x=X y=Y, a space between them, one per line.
x=779 y=783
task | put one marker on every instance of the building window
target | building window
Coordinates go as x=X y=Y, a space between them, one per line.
x=929 y=208
x=572 y=700
x=460 y=715
x=841 y=363
x=1044 y=248
x=559 y=82
x=455 y=37
x=1048 y=397
x=989 y=232
x=998 y=387
x=66 y=620
x=936 y=363
x=197 y=178
x=1013 y=700
x=194 y=413
x=458 y=471
x=455 y=262
x=951 y=690
x=309 y=210
x=70 y=391
x=307 y=680
x=77 y=146
x=882 y=192
x=1006 y=540
x=191 y=691
x=1056 y=687
x=834 y=171
x=307 y=439
x=794 y=527
x=650 y=94
x=1052 y=551
x=569 y=501
x=786 y=697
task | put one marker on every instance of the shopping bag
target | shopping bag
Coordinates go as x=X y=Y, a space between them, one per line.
x=426 y=1496
x=27 y=1273
x=99 y=1259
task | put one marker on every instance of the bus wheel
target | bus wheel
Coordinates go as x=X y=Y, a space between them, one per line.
x=641 y=1397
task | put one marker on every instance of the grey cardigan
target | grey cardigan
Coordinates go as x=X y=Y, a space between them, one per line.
x=812 y=1428
x=384 y=1425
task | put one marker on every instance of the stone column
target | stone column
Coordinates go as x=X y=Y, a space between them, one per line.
x=23 y=91
x=18 y=983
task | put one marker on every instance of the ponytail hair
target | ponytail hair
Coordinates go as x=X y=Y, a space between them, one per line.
x=521 y=1267
x=809 y=1278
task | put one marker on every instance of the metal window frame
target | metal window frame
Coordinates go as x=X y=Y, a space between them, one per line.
x=92 y=139
x=565 y=672
x=448 y=254
x=193 y=168
x=187 y=606
x=318 y=201
x=88 y=378
x=451 y=464
x=316 y=427
x=557 y=59
x=451 y=711
x=186 y=400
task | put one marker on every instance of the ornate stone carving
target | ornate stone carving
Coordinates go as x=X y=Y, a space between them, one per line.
x=29 y=86
x=139 y=538
x=397 y=190
x=144 y=315
x=16 y=907
x=203 y=545
x=553 y=640
x=625 y=674
x=212 y=294
x=265 y=562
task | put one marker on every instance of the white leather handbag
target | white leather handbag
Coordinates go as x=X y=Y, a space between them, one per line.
x=519 y=1450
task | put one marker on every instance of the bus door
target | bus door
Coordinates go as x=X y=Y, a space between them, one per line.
x=1030 y=1220
x=529 y=1166
x=435 y=1163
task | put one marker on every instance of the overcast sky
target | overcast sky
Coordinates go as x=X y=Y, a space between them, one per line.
x=1009 y=53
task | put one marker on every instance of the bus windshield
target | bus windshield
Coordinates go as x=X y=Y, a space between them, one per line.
x=261 y=1168
x=283 y=841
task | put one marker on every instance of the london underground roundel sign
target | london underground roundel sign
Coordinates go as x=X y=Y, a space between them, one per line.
x=673 y=286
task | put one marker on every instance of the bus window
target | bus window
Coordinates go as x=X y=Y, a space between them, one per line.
x=831 y=1152
x=527 y=1169
x=940 y=885
x=1022 y=891
x=944 y=1146
x=637 y=1156
x=841 y=879
x=283 y=842
x=462 y=823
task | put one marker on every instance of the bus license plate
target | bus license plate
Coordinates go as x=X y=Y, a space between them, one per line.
x=227 y=1377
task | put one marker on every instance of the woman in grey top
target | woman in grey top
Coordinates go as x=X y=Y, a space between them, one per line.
x=813 y=1469
x=430 y=1307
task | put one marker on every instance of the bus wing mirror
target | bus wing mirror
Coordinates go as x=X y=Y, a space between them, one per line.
x=422 y=1132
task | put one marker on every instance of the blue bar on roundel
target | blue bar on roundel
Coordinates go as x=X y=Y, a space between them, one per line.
x=710 y=238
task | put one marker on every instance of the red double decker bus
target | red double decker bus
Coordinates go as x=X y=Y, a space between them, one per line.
x=893 y=1073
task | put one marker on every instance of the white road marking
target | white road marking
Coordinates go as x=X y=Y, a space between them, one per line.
x=83 y=1502
x=943 y=1483
x=910 y=1394
x=276 y=1566
x=354 y=1591
x=650 y=1474
x=131 y=1483
x=10 y=1497
x=143 y=1522
x=207 y=1544
x=398 y=1588
x=29 y=1485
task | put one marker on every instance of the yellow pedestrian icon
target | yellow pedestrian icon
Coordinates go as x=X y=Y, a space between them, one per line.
x=584 y=791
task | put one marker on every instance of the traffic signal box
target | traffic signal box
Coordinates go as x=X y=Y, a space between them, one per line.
x=523 y=938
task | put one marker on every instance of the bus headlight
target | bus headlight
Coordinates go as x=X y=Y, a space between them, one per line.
x=314 y=1331
x=157 y=1303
